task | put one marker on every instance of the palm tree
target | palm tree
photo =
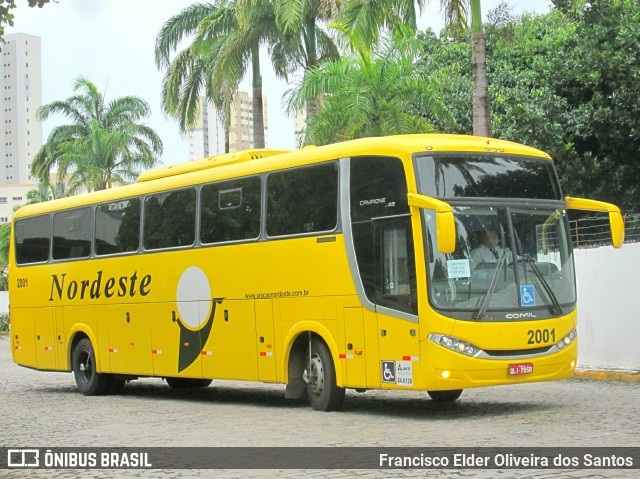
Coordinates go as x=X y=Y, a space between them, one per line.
x=367 y=17
x=480 y=84
x=191 y=70
x=227 y=41
x=371 y=17
x=300 y=19
x=369 y=92
x=102 y=144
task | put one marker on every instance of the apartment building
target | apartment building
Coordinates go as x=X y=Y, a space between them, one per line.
x=21 y=132
x=208 y=136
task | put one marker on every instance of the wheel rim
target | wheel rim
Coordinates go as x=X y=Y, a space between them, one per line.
x=314 y=375
x=85 y=366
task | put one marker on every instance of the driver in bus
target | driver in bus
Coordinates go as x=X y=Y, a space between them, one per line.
x=489 y=251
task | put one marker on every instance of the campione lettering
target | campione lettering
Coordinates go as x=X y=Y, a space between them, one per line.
x=63 y=287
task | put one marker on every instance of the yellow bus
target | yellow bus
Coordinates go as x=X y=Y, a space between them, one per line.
x=418 y=262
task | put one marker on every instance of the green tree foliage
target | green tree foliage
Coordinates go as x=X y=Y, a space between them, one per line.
x=567 y=82
x=369 y=92
x=105 y=142
x=225 y=44
x=6 y=17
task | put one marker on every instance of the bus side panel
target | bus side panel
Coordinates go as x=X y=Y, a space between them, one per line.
x=372 y=354
x=165 y=343
x=23 y=339
x=130 y=339
x=232 y=342
x=266 y=346
x=62 y=346
x=355 y=348
x=399 y=352
x=45 y=332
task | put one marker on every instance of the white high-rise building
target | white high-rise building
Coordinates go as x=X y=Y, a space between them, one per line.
x=208 y=137
x=21 y=86
x=21 y=132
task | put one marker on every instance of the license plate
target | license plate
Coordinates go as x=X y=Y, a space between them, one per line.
x=520 y=368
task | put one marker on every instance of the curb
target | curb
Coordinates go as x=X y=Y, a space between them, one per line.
x=630 y=376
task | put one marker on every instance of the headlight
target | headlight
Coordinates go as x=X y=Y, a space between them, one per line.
x=567 y=340
x=455 y=344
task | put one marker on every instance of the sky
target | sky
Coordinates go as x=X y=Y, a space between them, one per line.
x=111 y=42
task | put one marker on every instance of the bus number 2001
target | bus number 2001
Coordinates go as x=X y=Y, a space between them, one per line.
x=541 y=336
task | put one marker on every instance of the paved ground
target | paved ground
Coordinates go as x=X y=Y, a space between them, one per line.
x=45 y=410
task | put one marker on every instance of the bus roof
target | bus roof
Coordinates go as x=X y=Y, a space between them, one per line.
x=248 y=162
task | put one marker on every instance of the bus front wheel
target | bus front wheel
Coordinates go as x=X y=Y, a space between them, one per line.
x=445 y=396
x=320 y=376
x=89 y=381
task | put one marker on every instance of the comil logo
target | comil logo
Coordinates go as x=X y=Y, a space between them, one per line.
x=23 y=458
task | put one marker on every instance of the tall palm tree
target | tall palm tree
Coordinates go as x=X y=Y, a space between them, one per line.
x=191 y=70
x=367 y=17
x=226 y=38
x=480 y=84
x=369 y=92
x=102 y=144
x=301 y=19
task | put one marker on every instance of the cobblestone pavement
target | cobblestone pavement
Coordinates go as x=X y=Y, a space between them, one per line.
x=43 y=409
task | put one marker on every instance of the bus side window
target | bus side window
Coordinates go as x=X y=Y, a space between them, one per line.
x=72 y=234
x=303 y=200
x=395 y=268
x=118 y=227
x=230 y=210
x=170 y=219
x=32 y=237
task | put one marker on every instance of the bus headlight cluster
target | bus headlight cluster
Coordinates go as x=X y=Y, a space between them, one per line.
x=455 y=344
x=567 y=340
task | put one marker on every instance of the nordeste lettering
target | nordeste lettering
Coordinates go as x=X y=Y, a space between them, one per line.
x=118 y=286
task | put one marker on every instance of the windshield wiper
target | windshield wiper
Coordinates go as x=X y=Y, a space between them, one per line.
x=556 y=309
x=492 y=286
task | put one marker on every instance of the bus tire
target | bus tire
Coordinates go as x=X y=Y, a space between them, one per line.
x=320 y=376
x=445 y=396
x=187 y=383
x=89 y=381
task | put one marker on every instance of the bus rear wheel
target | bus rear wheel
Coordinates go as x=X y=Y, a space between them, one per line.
x=83 y=362
x=320 y=376
x=445 y=396
x=187 y=383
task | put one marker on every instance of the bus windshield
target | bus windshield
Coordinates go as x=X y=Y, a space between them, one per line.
x=513 y=259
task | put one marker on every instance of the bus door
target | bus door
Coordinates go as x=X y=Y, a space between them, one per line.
x=396 y=300
x=44 y=321
x=129 y=345
x=230 y=351
x=265 y=344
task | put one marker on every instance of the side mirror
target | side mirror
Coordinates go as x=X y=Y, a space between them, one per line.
x=445 y=223
x=616 y=223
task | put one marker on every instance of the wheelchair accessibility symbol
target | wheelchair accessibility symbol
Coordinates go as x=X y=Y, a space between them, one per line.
x=527 y=295
x=388 y=371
